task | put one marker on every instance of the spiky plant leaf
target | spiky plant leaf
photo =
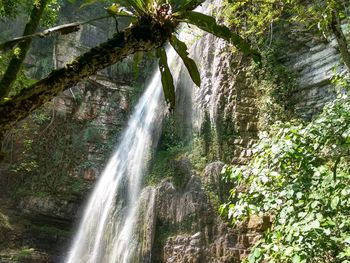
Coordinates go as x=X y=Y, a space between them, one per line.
x=181 y=49
x=116 y=10
x=136 y=7
x=139 y=6
x=208 y=24
x=187 y=5
x=167 y=78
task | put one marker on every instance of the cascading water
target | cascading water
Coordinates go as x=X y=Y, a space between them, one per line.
x=107 y=231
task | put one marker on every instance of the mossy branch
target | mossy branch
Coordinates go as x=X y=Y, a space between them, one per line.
x=140 y=37
x=62 y=29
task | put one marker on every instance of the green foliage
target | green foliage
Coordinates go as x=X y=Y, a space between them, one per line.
x=191 y=66
x=275 y=84
x=22 y=80
x=177 y=155
x=168 y=15
x=50 y=14
x=317 y=14
x=167 y=78
x=208 y=24
x=51 y=152
x=163 y=166
x=300 y=177
x=341 y=82
x=25 y=253
x=9 y=8
x=171 y=148
x=253 y=19
x=206 y=132
x=50 y=231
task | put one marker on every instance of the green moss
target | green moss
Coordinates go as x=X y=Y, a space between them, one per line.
x=162 y=167
x=25 y=253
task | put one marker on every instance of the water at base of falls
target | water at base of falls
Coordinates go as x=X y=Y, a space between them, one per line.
x=107 y=230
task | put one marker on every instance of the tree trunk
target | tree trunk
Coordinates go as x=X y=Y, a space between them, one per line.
x=341 y=40
x=17 y=60
x=141 y=37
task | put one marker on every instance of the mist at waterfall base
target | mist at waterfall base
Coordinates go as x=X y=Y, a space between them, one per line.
x=107 y=230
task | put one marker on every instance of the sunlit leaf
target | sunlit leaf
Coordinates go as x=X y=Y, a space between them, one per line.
x=335 y=202
x=296 y=259
x=188 y=5
x=208 y=24
x=191 y=66
x=167 y=78
x=138 y=5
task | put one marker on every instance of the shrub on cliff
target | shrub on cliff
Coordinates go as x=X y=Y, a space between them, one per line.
x=299 y=176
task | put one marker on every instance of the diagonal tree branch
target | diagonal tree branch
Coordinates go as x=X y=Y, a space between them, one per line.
x=17 y=60
x=62 y=29
x=140 y=37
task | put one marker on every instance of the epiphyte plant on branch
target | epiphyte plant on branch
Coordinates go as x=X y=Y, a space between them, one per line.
x=153 y=24
x=169 y=15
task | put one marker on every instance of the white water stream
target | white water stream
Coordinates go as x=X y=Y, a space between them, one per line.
x=107 y=230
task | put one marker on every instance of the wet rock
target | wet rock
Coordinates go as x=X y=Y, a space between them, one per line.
x=191 y=229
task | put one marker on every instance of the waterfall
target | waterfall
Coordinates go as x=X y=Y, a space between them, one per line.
x=107 y=230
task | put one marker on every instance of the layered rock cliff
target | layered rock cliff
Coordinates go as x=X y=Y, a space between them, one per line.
x=55 y=156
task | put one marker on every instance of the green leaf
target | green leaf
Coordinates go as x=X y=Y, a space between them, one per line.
x=335 y=202
x=296 y=259
x=167 y=78
x=138 y=5
x=188 y=5
x=257 y=253
x=208 y=24
x=181 y=49
x=251 y=258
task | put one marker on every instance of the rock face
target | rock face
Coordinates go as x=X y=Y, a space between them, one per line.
x=188 y=228
x=315 y=62
x=178 y=220
x=229 y=97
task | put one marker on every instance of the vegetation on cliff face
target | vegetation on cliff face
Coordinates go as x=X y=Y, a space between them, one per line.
x=256 y=20
x=299 y=176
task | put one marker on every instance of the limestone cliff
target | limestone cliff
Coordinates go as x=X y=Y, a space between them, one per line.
x=55 y=156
